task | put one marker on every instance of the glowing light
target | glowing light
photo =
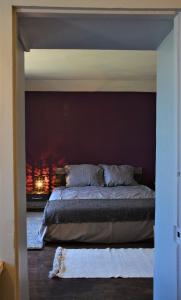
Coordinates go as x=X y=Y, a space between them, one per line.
x=39 y=184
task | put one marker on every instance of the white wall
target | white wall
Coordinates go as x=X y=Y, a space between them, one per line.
x=20 y=174
x=7 y=191
x=166 y=174
x=122 y=4
x=145 y=85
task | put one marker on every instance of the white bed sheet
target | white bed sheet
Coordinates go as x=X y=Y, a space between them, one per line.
x=97 y=192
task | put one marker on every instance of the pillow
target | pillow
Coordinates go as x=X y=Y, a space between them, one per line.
x=118 y=175
x=83 y=175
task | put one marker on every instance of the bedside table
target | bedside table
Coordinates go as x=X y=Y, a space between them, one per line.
x=36 y=202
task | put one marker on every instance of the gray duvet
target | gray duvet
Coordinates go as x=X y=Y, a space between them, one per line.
x=98 y=210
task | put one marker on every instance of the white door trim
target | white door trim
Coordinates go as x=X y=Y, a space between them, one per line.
x=177 y=42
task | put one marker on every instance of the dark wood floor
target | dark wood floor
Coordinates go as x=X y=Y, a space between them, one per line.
x=42 y=288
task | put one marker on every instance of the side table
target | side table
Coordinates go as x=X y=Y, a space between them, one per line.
x=36 y=202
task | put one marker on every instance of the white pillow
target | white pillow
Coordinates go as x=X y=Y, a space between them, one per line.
x=118 y=175
x=84 y=175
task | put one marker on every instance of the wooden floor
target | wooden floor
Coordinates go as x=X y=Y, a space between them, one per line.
x=42 y=288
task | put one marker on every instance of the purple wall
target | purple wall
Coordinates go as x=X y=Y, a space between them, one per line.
x=112 y=128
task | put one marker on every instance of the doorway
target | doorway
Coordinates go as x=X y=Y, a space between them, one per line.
x=144 y=44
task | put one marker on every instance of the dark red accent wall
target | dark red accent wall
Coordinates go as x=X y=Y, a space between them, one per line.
x=100 y=127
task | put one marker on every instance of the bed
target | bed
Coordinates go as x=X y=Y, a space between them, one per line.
x=99 y=213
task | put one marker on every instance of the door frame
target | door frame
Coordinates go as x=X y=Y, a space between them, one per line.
x=11 y=173
x=177 y=42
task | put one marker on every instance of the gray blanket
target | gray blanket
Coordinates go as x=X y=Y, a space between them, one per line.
x=98 y=210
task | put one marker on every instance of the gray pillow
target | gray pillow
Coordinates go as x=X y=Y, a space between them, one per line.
x=118 y=175
x=84 y=175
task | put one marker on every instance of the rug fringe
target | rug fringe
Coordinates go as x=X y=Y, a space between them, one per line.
x=58 y=263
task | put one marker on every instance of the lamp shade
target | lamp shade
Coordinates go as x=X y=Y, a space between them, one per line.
x=39 y=184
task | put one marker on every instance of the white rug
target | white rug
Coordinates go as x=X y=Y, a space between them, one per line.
x=102 y=263
x=33 y=225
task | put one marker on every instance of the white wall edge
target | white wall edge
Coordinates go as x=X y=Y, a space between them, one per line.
x=177 y=44
x=91 y=85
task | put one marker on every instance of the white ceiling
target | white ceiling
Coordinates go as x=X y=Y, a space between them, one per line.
x=90 y=64
x=116 y=69
x=105 y=52
x=94 y=31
